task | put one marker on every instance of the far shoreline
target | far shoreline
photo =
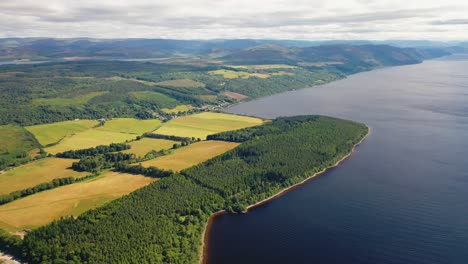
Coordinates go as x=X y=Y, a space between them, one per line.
x=203 y=259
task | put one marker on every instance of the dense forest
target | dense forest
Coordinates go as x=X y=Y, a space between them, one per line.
x=163 y=222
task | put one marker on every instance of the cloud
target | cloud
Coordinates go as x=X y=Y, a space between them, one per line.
x=296 y=19
x=451 y=22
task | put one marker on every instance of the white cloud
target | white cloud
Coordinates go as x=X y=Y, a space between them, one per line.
x=203 y=19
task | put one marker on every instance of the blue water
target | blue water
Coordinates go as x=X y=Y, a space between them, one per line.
x=402 y=197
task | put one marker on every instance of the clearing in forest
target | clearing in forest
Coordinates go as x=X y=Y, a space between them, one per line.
x=182 y=83
x=141 y=147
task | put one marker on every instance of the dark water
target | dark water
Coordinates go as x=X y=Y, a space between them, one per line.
x=402 y=197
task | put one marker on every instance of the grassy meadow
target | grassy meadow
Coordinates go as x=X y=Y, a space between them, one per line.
x=203 y=124
x=75 y=101
x=182 y=83
x=15 y=140
x=42 y=208
x=141 y=147
x=191 y=155
x=52 y=133
x=34 y=173
x=130 y=125
x=177 y=109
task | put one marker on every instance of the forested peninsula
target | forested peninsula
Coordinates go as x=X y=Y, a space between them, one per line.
x=164 y=222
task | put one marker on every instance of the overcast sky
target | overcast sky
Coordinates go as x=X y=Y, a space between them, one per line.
x=203 y=19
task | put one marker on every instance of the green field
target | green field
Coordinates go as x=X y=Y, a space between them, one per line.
x=207 y=123
x=34 y=173
x=141 y=147
x=161 y=100
x=191 y=155
x=15 y=141
x=52 y=133
x=179 y=108
x=41 y=208
x=228 y=74
x=263 y=66
x=78 y=100
x=182 y=83
x=130 y=125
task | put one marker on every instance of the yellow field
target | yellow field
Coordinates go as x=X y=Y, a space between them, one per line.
x=41 y=208
x=89 y=139
x=37 y=172
x=263 y=66
x=191 y=155
x=207 y=123
x=182 y=83
x=130 y=125
x=228 y=74
x=179 y=108
x=141 y=147
x=52 y=133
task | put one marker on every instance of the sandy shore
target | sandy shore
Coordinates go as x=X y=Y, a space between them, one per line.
x=204 y=248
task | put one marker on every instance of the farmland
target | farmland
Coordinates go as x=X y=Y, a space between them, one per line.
x=141 y=147
x=263 y=66
x=88 y=139
x=204 y=124
x=184 y=83
x=52 y=133
x=179 y=108
x=41 y=208
x=76 y=101
x=37 y=172
x=191 y=155
x=130 y=125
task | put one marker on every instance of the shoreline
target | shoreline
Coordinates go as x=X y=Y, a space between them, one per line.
x=203 y=259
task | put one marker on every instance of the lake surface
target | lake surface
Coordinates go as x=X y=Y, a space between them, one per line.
x=402 y=197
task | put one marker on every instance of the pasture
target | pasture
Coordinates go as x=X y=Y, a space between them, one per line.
x=52 y=133
x=191 y=155
x=159 y=99
x=130 y=125
x=179 y=108
x=263 y=66
x=206 y=123
x=182 y=83
x=141 y=147
x=44 y=207
x=15 y=140
x=34 y=173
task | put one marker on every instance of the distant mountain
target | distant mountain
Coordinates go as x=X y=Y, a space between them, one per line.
x=338 y=55
x=234 y=50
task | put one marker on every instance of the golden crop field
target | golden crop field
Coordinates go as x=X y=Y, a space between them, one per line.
x=182 y=83
x=44 y=207
x=179 y=108
x=141 y=147
x=263 y=66
x=34 y=173
x=89 y=139
x=52 y=133
x=206 y=123
x=130 y=125
x=191 y=155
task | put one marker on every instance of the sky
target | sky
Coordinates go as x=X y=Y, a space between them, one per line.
x=258 y=19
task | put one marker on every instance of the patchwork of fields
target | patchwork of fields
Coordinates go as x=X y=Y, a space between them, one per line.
x=41 y=208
